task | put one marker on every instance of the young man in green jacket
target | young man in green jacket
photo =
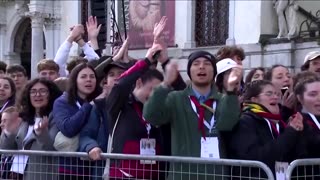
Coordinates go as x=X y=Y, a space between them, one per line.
x=198 y=115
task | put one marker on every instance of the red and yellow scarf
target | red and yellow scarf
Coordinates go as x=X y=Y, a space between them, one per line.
x=264 y=113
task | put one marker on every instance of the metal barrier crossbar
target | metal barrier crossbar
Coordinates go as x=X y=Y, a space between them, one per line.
x=304 y=169
x=47 y=165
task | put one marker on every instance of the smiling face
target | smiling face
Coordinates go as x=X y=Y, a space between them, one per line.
x=201 y=72
x=86 y=82
x=39 y=96
x=269 y=98
x=310 y=99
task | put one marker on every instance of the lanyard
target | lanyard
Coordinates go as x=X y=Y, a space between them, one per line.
x=314 y=119
x=270 y=127
x=209 y=126
x=78 y=104
x=4 y=106
x=139 y=112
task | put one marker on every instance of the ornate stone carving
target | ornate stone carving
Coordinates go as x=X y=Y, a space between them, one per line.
x=21 y=7
x=37 y=19
x=287 y=18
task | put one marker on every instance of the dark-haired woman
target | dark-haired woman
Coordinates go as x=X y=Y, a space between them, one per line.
x=255 y=74
x=37 y=131
x=7 y=93
x=281 y=78
x=261 y=134
x=71 y=112
x=7 y=99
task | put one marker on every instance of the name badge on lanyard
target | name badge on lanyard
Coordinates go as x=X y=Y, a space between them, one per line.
x=209 y=126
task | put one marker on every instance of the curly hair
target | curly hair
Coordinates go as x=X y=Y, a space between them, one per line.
x=27 y=111
x=72 y=84
x=230 y=51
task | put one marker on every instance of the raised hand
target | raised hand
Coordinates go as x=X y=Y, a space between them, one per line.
x=42 y=126
x=158 y=28
x=151 y=51
x=296 y=122
x=164 y=53
x=234 y=78
x=92 y=27
x=77 y=32
x=289 y=99
x=171 y=73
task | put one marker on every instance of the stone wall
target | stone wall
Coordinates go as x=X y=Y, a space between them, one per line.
x=290 y=54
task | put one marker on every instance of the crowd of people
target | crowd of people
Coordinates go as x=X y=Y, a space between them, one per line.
x=101 y=104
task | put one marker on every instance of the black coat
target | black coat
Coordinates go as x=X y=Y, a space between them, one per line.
x=253 y=140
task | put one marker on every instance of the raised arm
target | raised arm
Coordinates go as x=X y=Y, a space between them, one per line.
x=62 y=54
x=158 y=109
x=121 y=91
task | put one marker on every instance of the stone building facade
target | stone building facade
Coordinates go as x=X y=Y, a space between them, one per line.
x=32 y=29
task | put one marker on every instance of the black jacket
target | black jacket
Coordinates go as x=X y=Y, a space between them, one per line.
x=312 y=136
x=129 y=128
x=253 y=140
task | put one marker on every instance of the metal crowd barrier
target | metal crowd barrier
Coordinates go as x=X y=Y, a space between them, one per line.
x=46 y=165
x=304 y=169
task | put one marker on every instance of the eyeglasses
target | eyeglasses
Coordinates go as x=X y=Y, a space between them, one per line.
x=42 y=92
x=269 y=94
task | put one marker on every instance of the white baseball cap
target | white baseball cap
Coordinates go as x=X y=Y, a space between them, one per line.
x=311 y=56
x=225 y=65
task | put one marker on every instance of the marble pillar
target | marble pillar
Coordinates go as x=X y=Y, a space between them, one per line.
x=2 y=41
x=231 y=40
x=37 y=51
x=52 y=37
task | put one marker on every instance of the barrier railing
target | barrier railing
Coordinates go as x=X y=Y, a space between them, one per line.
x=47 y=165
x=304 y=169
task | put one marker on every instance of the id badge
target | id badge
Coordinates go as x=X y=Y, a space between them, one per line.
x=19 y=163
x=147 y=148
x=281 y=168
x=210 y=147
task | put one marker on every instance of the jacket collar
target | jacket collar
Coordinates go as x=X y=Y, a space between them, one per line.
x=213 y=94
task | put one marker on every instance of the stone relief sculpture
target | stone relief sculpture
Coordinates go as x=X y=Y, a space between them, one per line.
x=287 y=18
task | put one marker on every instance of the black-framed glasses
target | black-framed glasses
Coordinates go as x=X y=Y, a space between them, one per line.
x=41 y=92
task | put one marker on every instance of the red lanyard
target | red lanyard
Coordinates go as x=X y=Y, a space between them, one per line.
x=200 y=110
x=138 y=109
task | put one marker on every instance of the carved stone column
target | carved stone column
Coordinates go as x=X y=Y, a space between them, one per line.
x=52 y=35
x=37 y=51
